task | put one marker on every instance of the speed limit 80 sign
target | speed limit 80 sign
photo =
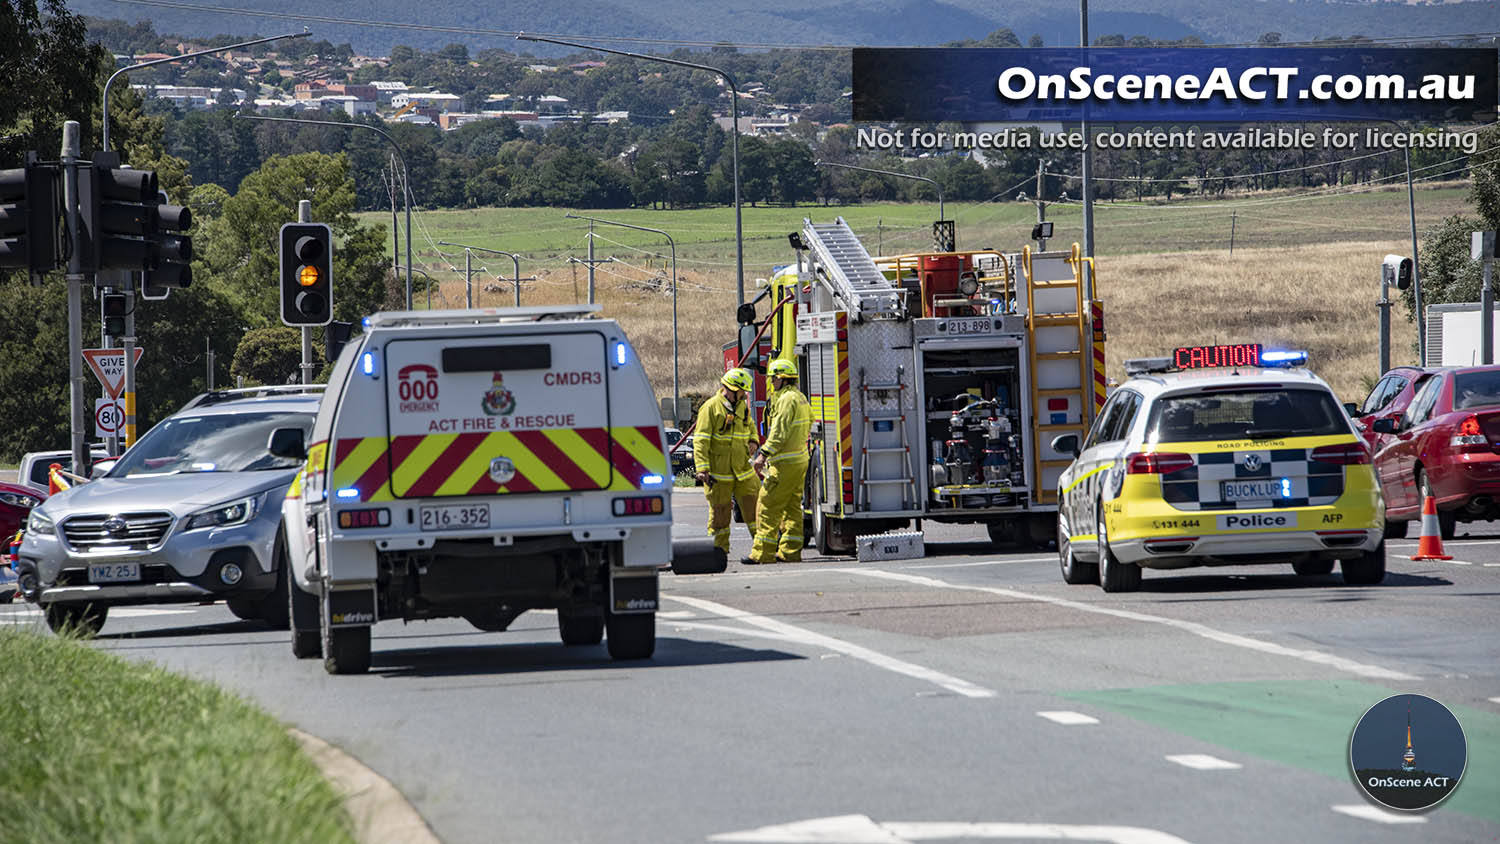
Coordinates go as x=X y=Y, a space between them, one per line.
x=109 y=418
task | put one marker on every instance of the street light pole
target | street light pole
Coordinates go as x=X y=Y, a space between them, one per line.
x=512 y=256
x=405 y=172
x=676 y=394
x=933 y=182
x=734 y=138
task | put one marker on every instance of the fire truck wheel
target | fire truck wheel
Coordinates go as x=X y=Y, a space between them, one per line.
x=580 y=627
x=1114 y=576
x=1075 y=572
x=348 y=650
x=828 y=537
x=630 y=636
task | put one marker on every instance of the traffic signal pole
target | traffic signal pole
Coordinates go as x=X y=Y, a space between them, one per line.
x=304 y=215
x=70 y=151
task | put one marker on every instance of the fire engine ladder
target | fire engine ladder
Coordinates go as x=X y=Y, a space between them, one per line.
x=1061 y=363
x=849 y=271
x=898 y=418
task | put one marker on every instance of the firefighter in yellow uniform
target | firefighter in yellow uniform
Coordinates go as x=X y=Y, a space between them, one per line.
x=783 y=456
x=723 y=439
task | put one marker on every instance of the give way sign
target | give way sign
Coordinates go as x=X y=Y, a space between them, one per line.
x=109 y=368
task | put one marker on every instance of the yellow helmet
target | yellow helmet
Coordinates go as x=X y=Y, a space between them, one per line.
x=782 y=368
x=737 y=379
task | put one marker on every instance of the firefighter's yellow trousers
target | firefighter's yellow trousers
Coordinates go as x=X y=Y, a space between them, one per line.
x=780 y=525
x=721 y=497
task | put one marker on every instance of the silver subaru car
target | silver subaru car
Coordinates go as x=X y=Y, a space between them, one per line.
x=189 y=514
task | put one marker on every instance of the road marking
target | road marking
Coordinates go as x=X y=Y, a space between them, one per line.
x=1317 y=657
x=860 y=829
x=986 y=563
x=677 y=614
x=1203 y=762
x=829 y=643
x=1495 y=700
x=1364 y=811
x=1068 y=718
x=1413 y=543
x=144 y=612
x=1491 y=565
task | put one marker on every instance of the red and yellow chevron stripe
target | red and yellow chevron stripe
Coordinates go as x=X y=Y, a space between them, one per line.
x=846 y=419
x=1101 y=383
x=548 y=460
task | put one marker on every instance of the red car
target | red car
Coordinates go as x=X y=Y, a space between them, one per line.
x=1390 y=397
x=1445 y=444
x=16 y=502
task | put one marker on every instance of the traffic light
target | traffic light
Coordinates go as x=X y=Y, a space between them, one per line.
x=170 y=253
x=306 y=274
x=113 y=308
x=116 y=214
x=30 y=237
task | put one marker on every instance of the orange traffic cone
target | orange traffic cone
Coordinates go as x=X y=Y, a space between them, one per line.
x=55 y=481
x=1430 y=546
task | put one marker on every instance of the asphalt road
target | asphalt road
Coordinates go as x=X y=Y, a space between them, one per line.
x=969 y=695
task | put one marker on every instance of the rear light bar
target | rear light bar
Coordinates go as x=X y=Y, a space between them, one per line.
x=1342 y=454
x=1469 y=434
x=1156 y=462
x=639 y=505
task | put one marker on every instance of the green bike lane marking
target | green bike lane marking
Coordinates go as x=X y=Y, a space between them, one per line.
x=1302 y=723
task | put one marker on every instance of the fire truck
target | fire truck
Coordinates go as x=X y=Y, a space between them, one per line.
x=937 y=382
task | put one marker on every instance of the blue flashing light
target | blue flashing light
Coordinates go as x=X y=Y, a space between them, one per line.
x=367 y=363
x=365 y=322
x=652 y=479
x=347 y=493
x=1283 y=358
x=1286 y=487
x=621 y=353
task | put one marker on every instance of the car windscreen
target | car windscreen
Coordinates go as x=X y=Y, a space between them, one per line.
x=219 y=442
x=1246 y=413
x=1476 y=389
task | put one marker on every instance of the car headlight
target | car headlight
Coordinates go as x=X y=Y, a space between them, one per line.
x=39 y=524
x=16 y=499
x=224 y=515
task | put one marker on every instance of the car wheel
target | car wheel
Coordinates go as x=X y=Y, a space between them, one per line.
x=1447 y=519
x=348 y=650
x=1114 y=576
x=244 y=608
x=1367 y=570
x=1396 y=530
x=1074 y=571
x=630 y=636
x=83 y=620
x=7 y=594
x=1314 y=566
x=585 y=627
x=302 y=617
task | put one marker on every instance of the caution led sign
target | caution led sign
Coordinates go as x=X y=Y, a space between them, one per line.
x=1205 y=357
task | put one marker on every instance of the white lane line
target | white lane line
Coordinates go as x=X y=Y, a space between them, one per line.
x=1203 y=762
x=1068 y=718
x=972 y=565
x=677 y=614
x=1494 y=700
x=1364 y=811
x=1317 y=657
x=861 y=829
x=1413 y=543
x=143 y=612
x=818 y=640
x=1403 y=558
x=1492 y=565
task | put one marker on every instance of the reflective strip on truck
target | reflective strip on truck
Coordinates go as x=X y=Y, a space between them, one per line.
x=544 y=460
x=846 y=419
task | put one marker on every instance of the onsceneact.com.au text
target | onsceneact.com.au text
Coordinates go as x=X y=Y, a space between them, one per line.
x=1019 y=84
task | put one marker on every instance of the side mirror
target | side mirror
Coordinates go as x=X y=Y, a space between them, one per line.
x=1065 y=444
x=746 y=314
x=1389 y=425
x=1351 y=408
x=287 y=442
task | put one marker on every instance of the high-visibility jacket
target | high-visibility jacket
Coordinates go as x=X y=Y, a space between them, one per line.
x=723 y=440
x=788 y=418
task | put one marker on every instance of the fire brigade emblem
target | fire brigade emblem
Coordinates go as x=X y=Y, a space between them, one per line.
x=498 y=401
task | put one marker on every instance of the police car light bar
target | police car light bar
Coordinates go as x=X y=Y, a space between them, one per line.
x=1142 y=366
x=1283 y=358
x=1250 y=355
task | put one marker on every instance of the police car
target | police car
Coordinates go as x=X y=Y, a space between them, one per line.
x=1219 y=455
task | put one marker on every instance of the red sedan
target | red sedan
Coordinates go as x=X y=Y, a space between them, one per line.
x=1447 y=445
x=1390 y=397
x=16 y=502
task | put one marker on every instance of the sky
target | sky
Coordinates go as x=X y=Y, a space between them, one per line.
x=1380 y=739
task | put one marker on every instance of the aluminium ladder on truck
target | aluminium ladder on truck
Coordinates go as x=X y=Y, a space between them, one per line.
x=1066 y=354
x=873 y=470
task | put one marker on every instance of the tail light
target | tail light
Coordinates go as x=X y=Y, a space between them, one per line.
x=1157 y=463
x=1343 y=453
x=1469 y=434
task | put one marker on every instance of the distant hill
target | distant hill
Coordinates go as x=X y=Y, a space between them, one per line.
x=863 y=22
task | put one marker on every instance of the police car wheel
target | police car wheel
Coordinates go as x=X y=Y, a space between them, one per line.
x=348 y=650
x=630 y=636
x=1114 y=576
x=1367 y=570
x=580 y=628
x=1075 y=572
x=1313 y=566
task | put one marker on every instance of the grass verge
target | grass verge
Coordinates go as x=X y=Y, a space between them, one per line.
x=95 y=748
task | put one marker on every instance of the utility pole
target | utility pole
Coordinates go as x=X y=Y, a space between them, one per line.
x=1482 y=249
x=1232 y=217
x=304 y=215
x=591 y=262
x=1088 y=158
x=208 y=352
x=1041 y=205
x=70 y=152
x=468 y=278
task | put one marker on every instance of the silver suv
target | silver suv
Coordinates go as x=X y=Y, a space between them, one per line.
x=188 y=514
